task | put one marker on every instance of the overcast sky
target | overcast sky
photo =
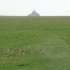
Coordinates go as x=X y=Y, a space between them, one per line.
x=43 y=7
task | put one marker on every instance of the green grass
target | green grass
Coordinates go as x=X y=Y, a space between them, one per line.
x=34 y=43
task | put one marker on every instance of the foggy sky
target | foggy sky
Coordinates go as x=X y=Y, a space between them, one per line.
x=43 y=7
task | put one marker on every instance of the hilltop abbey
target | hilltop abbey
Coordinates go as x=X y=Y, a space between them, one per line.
x=34 y=13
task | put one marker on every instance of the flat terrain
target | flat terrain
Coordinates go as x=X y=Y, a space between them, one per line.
x=34 y=43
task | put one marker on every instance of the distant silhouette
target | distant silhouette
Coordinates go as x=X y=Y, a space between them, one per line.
x=34 y=13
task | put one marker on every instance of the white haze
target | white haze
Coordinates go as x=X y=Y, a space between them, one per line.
x=43 y=7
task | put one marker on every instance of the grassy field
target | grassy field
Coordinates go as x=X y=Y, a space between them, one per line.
x=34 y=43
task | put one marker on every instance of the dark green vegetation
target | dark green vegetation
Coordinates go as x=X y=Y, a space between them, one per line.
x=34 y=43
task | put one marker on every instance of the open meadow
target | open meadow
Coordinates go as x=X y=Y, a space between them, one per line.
x=34 y=43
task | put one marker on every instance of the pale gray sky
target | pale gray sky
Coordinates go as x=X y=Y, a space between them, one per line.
x=43 y=7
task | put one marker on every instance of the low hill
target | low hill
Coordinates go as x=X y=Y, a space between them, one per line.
x=34 y=13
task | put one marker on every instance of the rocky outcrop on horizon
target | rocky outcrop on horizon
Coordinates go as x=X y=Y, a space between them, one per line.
x=34 y=13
